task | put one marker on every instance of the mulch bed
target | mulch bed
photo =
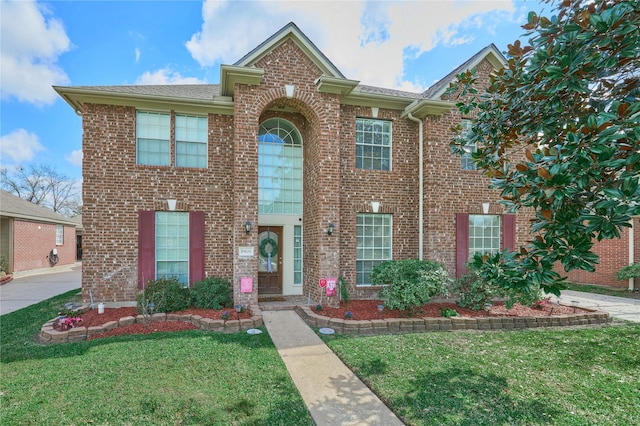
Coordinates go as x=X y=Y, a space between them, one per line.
x=368 y=310
x=92 y=318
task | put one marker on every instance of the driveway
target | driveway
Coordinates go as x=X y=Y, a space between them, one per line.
x=618 y=307
x=30 y=289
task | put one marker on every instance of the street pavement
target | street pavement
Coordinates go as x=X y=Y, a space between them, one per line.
x=33 y=288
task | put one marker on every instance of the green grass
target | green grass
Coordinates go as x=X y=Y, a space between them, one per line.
x=532 y=377
x=190 y=378
x=609 y=291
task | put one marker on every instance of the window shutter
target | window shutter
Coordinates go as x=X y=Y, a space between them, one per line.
x=462 y=243
x=146 y=246
x=196 y=247
x=509 y=231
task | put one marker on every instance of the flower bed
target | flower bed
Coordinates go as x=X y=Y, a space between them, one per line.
x=481 y=321
x=116 y=320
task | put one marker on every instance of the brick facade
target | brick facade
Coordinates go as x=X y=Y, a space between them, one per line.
x=116 y=188
x=33 y=242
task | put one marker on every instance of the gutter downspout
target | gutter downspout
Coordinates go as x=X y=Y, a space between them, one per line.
x=421 y=184
x=631 y=251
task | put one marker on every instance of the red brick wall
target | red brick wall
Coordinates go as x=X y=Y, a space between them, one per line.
x=614 y=254
x=115 y=189
x=33 y=241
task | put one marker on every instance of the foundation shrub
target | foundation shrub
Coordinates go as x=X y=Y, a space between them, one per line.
x=473 y=293
x=629 y=271
x=410 y=283
x=212 y=293
x=167 y=295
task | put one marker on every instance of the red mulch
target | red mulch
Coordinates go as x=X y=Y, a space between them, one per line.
x=92 y=318
x=368 y=310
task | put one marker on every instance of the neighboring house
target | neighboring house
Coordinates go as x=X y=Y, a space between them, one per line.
x=34 y=237
x=283 y=174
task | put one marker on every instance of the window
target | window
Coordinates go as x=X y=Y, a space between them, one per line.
x=191 y=141
x=297 y=254
x=153 y=134
x=279 y=168
x=161 y=251
x=469 y=149
x=373 y=244
x=59 y=235
x=373 y=144
x=484 y=234
x=172 y=246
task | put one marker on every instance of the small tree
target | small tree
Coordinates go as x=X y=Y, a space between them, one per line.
x=568 y=105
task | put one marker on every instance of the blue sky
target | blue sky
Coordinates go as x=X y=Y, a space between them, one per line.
x=406 y=45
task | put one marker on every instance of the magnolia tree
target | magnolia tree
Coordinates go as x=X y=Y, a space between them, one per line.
x=558 y=131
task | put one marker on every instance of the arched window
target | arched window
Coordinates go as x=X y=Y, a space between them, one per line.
x=279 y=168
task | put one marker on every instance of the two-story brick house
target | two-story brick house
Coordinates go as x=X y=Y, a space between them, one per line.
x=283 y=174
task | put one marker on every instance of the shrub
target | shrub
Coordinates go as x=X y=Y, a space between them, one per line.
x=212 y=293
x=344 y=290
x=410 y=283
x=4 y=263
x=473 y=293
x=167 y=294
x=629 y=271
x=448 y=313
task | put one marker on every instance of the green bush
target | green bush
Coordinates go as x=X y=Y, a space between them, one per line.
x=4 y=263
x=629 y=271
x=473 y=293
x=167 y=295
x=344 y=290
x=410 y=283
x=212 y=293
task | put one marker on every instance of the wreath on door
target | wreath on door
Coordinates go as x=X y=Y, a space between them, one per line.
x=266 y=243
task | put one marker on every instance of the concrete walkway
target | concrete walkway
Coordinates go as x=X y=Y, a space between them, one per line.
x=618 y=307
x=332 y=393
x=38 y=286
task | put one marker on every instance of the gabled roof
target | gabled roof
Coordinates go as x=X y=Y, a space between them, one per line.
x=491 y=53
x=12 y=206
x=292 y=32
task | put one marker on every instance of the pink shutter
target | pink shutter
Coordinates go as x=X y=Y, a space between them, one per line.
x=146 y=246
x=462 y=243
x=509 y=231
x=196 y=247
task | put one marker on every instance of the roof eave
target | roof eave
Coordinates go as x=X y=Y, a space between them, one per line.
x=232 y=74
x=422 y=108
x=76 y=97
x=340 y=86
x=358 y=98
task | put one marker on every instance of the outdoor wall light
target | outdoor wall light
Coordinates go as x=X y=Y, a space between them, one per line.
x=247 y=227
x=330 y=229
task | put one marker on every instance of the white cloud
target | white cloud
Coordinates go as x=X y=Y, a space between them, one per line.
x=166 y=76
x=75 y=158
x=19 y=146
x=32 y=41
x=367 y=41
x=137 y=52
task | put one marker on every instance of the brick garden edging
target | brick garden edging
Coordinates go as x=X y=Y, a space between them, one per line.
x=416 y=325
x=77 y=334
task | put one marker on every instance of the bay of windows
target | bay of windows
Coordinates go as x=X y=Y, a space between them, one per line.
x=153 y=139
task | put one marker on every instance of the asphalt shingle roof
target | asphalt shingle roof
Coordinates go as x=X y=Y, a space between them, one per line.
x=13 y=206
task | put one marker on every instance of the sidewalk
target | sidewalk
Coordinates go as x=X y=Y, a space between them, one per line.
x=332 y=393
x=33 y=288
x=618 y=307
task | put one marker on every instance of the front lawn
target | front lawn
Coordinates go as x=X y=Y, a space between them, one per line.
x=191 y=377
x=533 y=377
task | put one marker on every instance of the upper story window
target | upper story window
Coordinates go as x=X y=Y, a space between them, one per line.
x=59 y=235
x=373 y=144
x=191 y=141
x=279 y=168
x=153 y=134
x=153 y=140
x=469 y=149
